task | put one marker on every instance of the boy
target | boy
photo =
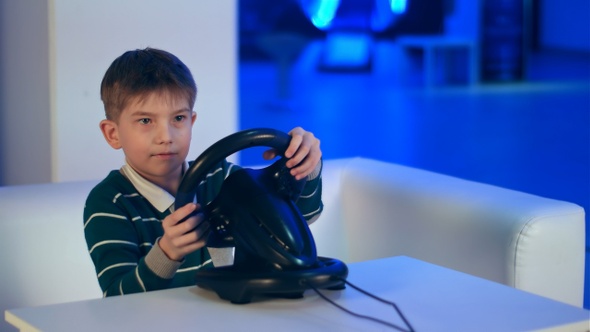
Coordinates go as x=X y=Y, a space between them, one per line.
x=134 y=238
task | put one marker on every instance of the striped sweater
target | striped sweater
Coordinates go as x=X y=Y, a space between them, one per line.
x=122 y=228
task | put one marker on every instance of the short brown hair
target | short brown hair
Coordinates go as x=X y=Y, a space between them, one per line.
x=136 y=74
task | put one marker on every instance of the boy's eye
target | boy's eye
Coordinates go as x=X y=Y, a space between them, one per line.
x=144 y=121
x=179 y=118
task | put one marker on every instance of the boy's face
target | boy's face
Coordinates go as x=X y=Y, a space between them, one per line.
x=155 y=135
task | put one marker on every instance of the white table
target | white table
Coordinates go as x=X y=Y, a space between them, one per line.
x=432 y=298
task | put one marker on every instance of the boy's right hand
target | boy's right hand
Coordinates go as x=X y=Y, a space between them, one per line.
x=182 y=238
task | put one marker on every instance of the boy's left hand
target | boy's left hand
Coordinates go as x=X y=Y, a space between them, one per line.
x=303 y=153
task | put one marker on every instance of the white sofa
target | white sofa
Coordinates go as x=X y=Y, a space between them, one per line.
x=373 y=209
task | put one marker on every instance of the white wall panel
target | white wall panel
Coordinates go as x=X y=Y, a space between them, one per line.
x=80 y=40
x=87 y=36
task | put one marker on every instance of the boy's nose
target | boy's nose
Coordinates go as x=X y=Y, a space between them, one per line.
x=164 y=134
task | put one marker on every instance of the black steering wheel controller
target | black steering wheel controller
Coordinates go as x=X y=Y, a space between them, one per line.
x=255 y=212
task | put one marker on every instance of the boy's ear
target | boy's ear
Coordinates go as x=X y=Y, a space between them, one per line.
x=193 y=117
x=110 y=131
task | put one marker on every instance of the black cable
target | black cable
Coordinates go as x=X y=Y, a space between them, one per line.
x=399 y=312
x=374 y=319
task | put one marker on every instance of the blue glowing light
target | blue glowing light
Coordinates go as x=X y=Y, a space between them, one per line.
x=324 y=14
x=398 y=6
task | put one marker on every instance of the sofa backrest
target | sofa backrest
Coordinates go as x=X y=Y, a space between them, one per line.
x=375 y=209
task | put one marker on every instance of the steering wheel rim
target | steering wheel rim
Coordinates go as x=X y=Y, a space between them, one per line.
x=222 y=149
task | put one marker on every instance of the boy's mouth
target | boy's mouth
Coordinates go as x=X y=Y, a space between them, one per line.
x=165 y=155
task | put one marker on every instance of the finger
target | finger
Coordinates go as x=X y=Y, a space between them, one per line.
x=193 y=240
x=303 y=149
x=179 y=215
x=191 y=224
x=302 y=170
x=269 y=154
x=199 y=233
x=309 y=150
x=173 y=231
x=188 y=244
x=299 y=156
x=308 y=165
x=296 y=140
x=194 y=246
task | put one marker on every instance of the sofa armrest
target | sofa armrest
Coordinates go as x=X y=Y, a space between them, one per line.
x=44 y=258
x=521 y=240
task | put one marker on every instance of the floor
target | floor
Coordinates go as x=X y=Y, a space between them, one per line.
x=532 y=136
